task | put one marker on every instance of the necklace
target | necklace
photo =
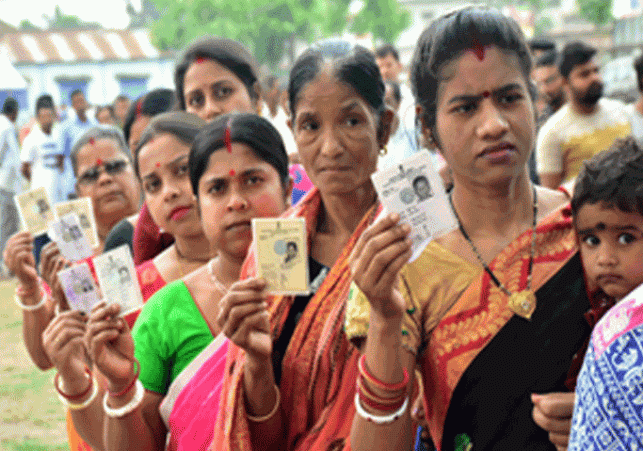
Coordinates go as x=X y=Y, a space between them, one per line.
x=187 y=260
x=523 y=303
x=222 y=288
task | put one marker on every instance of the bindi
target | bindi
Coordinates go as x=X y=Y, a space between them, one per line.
x=99 y=162
x=232 y=173
x=92 y=141
x=158 y=165
x=486 y=94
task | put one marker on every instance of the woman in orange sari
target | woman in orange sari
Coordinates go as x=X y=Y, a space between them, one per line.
x=493 y=312
x=288 y=362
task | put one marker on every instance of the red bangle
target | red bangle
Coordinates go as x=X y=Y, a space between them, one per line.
x=137 y=365
x=382 y=407
x=364 y=391
x=79 y=395
x=378 y=383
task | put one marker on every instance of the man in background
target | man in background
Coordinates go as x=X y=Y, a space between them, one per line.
x=10 y=180
x=635 y=110
x=120 y=107
x=551 y=94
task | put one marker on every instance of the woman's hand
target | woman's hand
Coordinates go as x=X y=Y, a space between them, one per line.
x=52 y=262
x=553 y=413
x=63 y=341
x=18 y=257
x=110 y=345
x=379 y=255
x=243 y=318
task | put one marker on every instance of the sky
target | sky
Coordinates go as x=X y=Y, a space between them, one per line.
x=109 y=13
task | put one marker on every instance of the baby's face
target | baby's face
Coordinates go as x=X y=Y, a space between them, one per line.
x=611 y=247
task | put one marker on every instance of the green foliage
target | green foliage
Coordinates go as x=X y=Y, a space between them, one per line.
x=26 y=25
x=598 y=12
x=62 y=21
x=270 y=27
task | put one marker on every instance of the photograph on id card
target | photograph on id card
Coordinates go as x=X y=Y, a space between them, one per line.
x=70 y=238
x=85 y=211
x=117 y=279
x=79 y=287
x=34 y=208
x=282 y=254
x=414 y=190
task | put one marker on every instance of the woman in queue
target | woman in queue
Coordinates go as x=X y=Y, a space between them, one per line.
x=238 y=171
x=493 y=312
x=290 y=362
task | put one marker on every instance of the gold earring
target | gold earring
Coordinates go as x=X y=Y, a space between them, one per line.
x=383 y=151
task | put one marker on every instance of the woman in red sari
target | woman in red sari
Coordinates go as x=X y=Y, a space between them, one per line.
x=288 y=361
x=493 y=312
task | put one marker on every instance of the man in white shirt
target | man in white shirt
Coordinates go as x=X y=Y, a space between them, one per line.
x=42 y=158
x=10 y=180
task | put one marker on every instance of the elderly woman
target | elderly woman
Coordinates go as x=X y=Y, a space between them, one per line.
x=492 y=311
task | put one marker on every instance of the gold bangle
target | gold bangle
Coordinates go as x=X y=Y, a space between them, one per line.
x=265 y=418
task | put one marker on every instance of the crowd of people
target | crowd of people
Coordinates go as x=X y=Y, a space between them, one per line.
x=513 y=331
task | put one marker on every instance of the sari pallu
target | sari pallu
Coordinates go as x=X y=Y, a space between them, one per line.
x=483 y=361
x=319 y=367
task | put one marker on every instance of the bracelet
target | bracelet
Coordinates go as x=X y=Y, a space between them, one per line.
x=87 y=402
x=137 y=371
x=127 y=408
x=368 y=393
x=79 y=395
x=377 y=403
x=21 y=291
x=271 y=414
x=30 y=308
x=379 y=419
x=384 y=386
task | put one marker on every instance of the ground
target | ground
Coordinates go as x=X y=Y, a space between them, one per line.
x=31 y=416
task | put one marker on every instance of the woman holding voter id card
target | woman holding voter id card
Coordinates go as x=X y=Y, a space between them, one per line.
x=491 y=313
x=290 y=373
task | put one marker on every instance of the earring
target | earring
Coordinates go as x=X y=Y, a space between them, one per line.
x=383 y=151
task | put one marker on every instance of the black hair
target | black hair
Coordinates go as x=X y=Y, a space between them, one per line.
x=44 y=101
x=230 y=54
x=638 y=67
x=95 y=133
x=395 y=87
x=613 y=178
x=75 y=92
x=385 y=50
x=351 y=64
x=255 y=131
x=184 y=126
x=574 y=54
x=10 y=106
x=549 y=58
x=155 y=102
x=542 y=44
x=448 y=36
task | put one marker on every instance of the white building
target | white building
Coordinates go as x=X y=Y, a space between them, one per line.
x=101 y=63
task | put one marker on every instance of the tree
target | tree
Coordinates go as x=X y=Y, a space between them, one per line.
x=270 y=27
x=598 y=12
x=62 y=21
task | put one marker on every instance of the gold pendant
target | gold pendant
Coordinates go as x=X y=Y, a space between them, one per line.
x=523 y=303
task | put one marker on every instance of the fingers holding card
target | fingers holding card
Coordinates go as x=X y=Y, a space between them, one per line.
x=117 y=278
x=34 y=208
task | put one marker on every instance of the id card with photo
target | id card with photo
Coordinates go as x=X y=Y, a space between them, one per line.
x=34 y=208
x=414 y=190
x=79 y=287
x=117 y=279
x=70 y=238
x=282 y=254
x=85 y=211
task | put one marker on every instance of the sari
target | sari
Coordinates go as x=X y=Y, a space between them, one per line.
x=479 y=360
x=319 y=367
x=608 y=406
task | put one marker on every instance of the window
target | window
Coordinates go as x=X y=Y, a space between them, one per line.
x=67 y=85
x=133 y=86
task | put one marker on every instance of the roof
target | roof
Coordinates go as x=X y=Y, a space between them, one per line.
x=71 y=46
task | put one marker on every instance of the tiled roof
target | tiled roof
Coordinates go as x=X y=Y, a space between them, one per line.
x=24 y=47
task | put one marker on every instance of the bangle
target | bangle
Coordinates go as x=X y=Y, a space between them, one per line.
x=271 y=414
x=384 y=386
x=87 y=402
x=137 y=371
x=22 y=291
x=30 y=308
x=376 y=402
x=379 y=419
x=127 y=408
x=79 y=395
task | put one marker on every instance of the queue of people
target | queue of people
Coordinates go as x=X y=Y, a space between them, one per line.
x=515 y=330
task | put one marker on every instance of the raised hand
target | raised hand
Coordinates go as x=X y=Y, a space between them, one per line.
x=51 y=262
x=553 y=413
x=18 y=257
x=243 y=318
x=110 y=345
x=376 y=260
x=64 y=344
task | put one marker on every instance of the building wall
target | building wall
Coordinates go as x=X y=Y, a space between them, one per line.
x=102 y=77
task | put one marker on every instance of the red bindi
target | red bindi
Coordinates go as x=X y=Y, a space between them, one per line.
x=158 y=165
x=99 y=162
x=486 y=94
x=92 y=141
x=199 y=60
x=232 y=173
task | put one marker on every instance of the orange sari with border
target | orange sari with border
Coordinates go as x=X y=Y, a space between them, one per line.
x=319 y=366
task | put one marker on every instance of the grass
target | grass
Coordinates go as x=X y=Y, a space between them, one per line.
x=31 y=416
